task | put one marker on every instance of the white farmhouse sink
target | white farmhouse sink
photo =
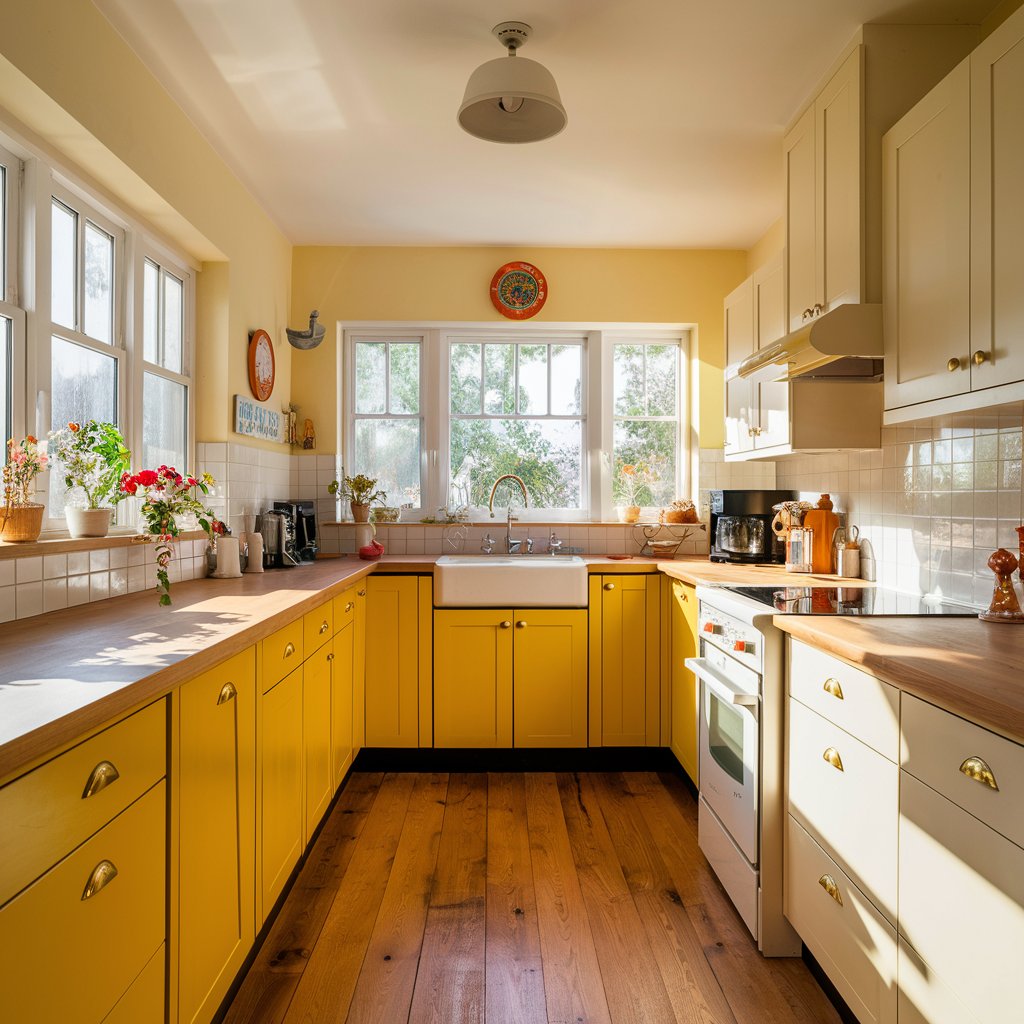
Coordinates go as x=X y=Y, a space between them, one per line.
x=516 y=581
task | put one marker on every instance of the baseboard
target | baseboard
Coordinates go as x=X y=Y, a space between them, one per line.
x=584 y=759
x=846 y=1015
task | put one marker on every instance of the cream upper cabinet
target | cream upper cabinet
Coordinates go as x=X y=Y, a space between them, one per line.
x=739 y=344
x=801 y=219
x=772 y=399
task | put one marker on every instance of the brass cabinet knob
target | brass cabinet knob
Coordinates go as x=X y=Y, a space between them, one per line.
x=506 y=624
x=99 y=778
x=828 y=883
x=521 y=624
x=227 y=692
x=102 y=875
x=609 y=586
x=979 y=357
x=953 y=364
x=832 y=756
x=324 y=627
x=977 y=768
x=361 y=593
x=289 y=649
x=330 y=657
x=832 y=686
x=349 y=605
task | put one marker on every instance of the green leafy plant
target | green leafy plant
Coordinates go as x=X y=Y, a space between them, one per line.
x=358 y=489
x=94 y=458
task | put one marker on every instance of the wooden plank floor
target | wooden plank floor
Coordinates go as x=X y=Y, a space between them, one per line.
x=516 y=899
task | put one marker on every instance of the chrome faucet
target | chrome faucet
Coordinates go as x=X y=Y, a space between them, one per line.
x=511 y=546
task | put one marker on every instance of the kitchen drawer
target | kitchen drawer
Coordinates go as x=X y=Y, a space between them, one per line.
x=923 y=997
x=853 y=812
x=47 y=813
x=69 y=958
x=854 y=700
x=317 y=627
x=942 y=751
x=144 y=1002
x=345 y=606
x=854 y=944
x=962 y=901
x=282 y=653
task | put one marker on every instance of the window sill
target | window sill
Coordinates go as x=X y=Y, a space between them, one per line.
x=518 y=524
x=56 y=544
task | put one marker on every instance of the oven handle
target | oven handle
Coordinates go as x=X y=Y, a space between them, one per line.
x=721 y=685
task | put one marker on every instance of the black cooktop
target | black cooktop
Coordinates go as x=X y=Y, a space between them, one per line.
x=849 y=601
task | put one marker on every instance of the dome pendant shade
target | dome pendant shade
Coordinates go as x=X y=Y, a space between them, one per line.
x=512 y=99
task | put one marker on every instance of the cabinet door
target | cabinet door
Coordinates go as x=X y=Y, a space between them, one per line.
x=839 y=202
x=997 y=206
x=280 y=805
x=317 y=750
x=625 y=706
x=927 y=188
x=549 y=670
x=801 y=235
x=392 y=661
x=216 y=800
x=739 y=344
x=473 y=678
x=341 y=704
x=359 y=670
x=769 y=288
x=685 y=692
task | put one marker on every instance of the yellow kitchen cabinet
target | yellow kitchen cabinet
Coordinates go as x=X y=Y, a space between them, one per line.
x=317 y=740
x=625 y=660
x=342 y=703
x=685 y=695
x=359 y=670
x=214 y=763
x=279 y=798
x=398 y=661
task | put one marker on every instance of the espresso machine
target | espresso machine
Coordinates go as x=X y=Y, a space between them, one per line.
x=300 y=529
x=740 y=528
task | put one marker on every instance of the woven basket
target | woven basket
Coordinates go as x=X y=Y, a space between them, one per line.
x=20 y=523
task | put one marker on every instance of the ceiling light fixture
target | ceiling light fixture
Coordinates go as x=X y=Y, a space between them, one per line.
x=512 y=99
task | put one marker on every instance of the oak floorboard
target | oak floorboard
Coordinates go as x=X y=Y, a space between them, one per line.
x=449 y=986
x=384 y=988
x=325 y=988
x=692 y=986
x=514 y=965
x=573 y=984
x=268 y=988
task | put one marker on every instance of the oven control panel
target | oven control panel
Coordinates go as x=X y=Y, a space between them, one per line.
x=738 y=639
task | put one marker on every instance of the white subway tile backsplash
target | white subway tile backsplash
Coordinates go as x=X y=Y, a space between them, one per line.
x=55 y=594
x=78 y=590
x=8 y=607
x=29 y=599
x=28 y=570
x=99 y=559
x=55 y=566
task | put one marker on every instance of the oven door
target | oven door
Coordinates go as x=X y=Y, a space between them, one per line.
x=729 y=755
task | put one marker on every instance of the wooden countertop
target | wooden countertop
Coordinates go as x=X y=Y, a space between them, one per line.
x=698 y=570
x=972 y=668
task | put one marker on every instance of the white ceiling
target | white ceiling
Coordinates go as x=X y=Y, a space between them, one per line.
x=339 y=115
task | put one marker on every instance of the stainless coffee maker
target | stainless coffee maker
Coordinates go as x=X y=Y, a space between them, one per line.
x=741 y=526
x=278 y=539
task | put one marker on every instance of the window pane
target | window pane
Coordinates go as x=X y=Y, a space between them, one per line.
x=99 y=284
x=164 y=422
x=566 y=380
x=174 y=298
x=533 y=379
x=84 y=387
x=662 y=367
x=150 y=312
x=499 y=379
x=62 y=265
x=370 y=376
x=6 y=340
x=546 y=454
x=629 y=380
x=405 y=378
x=465 y=379
x=389 y=451
x=650 y=447
x=3 y=233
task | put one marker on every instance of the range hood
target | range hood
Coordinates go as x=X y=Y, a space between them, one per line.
x=844 y=344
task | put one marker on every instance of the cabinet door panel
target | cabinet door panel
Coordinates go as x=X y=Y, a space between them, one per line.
x=359 y=670
x=739 y=344
x=685 y=693
x=341 y=704
x=317 y=683
x=550 y=677
x=801 y=234
x=770 y=325
x=392 y=661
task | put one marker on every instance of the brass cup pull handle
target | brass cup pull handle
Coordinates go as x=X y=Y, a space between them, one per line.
x=289 y=649
x=99 y=778
x=349 y=605
x=828 y=883
x=976 y=768
x=953 y=364
x=832 y=686
x=102 y=875
x=521 y=624
x=832 y=756
x=506 y=624
x=609 y=586
x=227 y=692
x=979 y=357
x=324 y=627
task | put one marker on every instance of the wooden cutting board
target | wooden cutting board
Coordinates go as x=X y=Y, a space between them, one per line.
x=824 y=524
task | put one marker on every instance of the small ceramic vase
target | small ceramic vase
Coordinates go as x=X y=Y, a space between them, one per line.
x=1004 y=607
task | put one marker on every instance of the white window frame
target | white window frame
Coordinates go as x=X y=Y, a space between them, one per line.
x=10 y=300
x=598 y=415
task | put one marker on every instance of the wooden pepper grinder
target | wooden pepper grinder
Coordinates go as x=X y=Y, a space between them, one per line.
x=1004 y=607
x=1020 y=545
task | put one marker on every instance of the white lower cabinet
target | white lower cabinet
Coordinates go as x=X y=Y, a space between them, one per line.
x=922 y=997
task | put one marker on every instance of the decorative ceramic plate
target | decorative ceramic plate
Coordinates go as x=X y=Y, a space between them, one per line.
x=518 y=290
x=262 y=367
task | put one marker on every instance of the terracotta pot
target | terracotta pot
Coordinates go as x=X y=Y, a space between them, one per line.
x=360 y=512
x=88 y=522
x=21 y=523
x=629 y=513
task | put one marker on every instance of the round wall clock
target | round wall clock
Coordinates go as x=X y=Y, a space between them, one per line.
x=518 y=290
x=262 y=367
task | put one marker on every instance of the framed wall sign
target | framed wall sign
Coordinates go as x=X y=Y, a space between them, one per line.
x=255 y=420
x=262 y=367
x=518 y=290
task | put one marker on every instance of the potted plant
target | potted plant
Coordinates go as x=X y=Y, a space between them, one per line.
x=20 y=519
x=94 y=457
x=166 y=495
x=360 y=492
x=631 y=489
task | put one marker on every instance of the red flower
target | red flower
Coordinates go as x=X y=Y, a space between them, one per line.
x=146 y=478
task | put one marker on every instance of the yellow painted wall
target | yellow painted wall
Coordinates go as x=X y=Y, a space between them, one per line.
x=586 y=285
x=73 y=82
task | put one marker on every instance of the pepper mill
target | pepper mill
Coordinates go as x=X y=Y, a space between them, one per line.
x=1004 y=607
